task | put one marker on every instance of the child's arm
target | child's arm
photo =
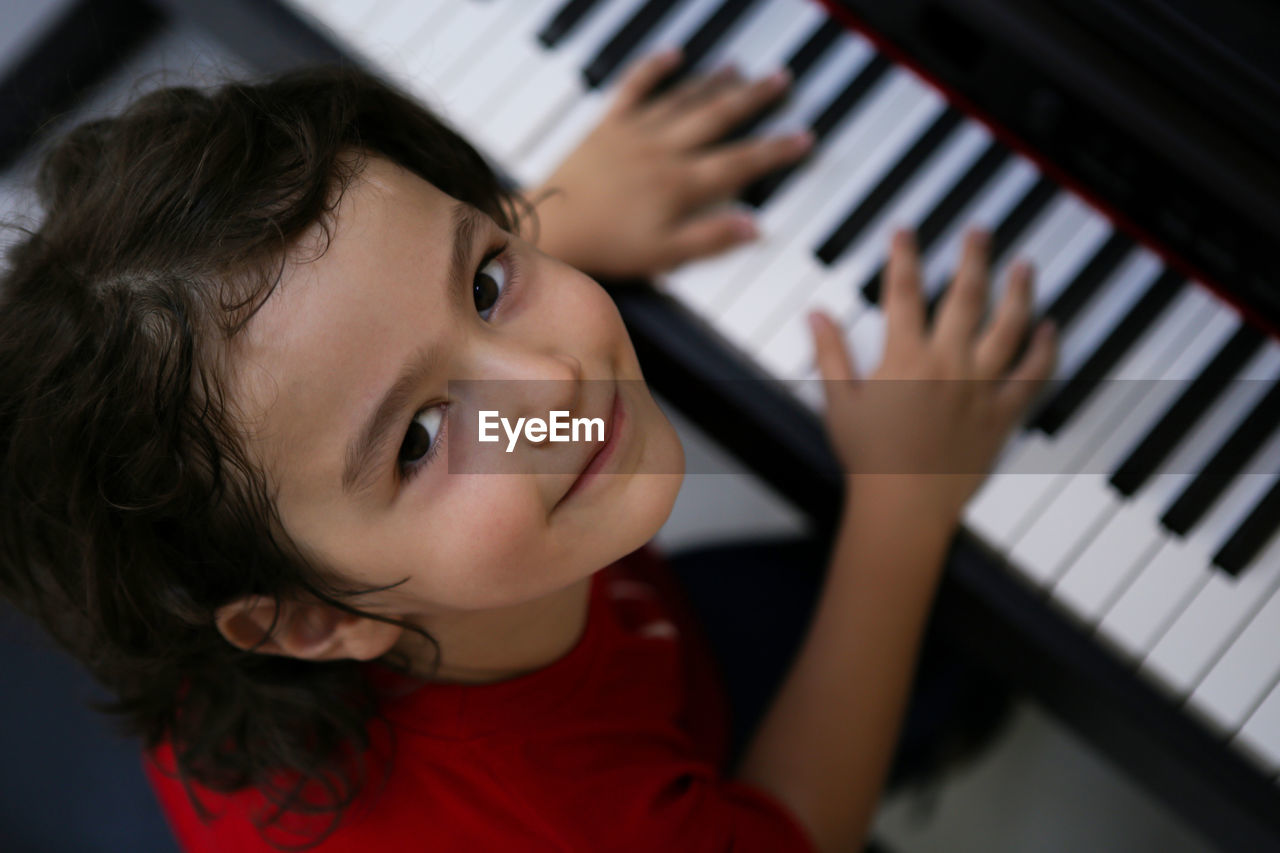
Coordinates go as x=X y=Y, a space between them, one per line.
x=637 y=197
x=914 y=451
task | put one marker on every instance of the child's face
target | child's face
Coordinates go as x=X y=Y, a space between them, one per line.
x=315 y=363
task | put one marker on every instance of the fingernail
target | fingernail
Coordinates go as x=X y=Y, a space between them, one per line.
x=669 y=55
x=803 y=140
x=815 y=321
x=745 y=228
x=779 y=79
x=1022 y=273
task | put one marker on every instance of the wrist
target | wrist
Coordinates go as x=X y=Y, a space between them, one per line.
x=924 y=503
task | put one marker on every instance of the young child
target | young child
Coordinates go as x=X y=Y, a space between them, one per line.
x=233 y=360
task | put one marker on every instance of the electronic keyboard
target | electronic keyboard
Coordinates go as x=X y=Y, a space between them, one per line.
x=1130 y=524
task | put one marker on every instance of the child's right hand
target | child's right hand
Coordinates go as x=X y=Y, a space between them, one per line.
x=956 y=397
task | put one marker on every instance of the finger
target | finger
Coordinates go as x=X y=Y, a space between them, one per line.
x=708 y=235
x=998 y=344
x=833 y=359
x=965 y=302
x=1035 y=367
x=693 y=91
x=903 y=304
x=714 y=117
x=724 y=171
x=639 y=80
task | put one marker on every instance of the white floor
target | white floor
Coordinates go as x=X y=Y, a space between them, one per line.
x=1039 y=788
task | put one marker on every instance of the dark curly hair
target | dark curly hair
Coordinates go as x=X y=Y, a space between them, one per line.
x=129 y=510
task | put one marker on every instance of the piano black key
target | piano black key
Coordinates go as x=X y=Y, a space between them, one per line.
x=704 y=39
x=564 y=20
x=939 y=219
x=1229 y=460
x=761 y=190
x=1081 y=289
x=1186 y=411
x=1255 y=531
x=1022 y=214
x=619 y=47
x=1089 y=280
x=1063 y=404
x=835 y=111
x=813 y=49
x=870 y=206
x=800 y=63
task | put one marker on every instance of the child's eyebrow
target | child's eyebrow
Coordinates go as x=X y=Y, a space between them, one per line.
x=367 y=445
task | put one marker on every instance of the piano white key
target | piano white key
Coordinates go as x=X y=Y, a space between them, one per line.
x=1068 y=521
x=527 y=110
x=794 y=218
x=1166 y=583
x=1008 y=501
x=1058 y=272
x=996 y=199
x=1260 y=736
x=361 y=26
x=1167 y=576
x=429 y=60
x=399 y=27
x=1041 y=241
x=758 y=42
x=837 y=286
x=866 y=341
x=760 y=295
x=1203 y=629
x=1085 y=499
x=1244 y=674
x=1091 y=580
x=546 y=153
x=504 y=55
x=807 y=98
x=702 y=285
x=346 y=18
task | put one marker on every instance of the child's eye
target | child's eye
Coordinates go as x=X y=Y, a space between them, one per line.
x=488 y=286
x=421 y=438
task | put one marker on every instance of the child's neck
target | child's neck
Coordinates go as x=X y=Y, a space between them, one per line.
x=483 y=647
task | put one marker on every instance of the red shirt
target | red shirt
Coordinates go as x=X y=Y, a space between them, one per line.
x=618 y=746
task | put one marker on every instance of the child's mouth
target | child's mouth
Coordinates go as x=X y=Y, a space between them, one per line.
x=606 y=451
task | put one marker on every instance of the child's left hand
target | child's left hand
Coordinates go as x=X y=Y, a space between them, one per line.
x=633 y=199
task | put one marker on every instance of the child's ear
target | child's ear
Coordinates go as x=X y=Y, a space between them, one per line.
x=310 y=630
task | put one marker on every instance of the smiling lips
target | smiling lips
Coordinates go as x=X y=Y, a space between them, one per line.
x=606 y=450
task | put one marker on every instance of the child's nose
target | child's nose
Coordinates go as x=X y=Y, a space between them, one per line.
x=544 y=383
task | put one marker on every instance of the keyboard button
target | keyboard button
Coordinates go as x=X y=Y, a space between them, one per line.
x=1241 y=678
x=870 y=205
x=622 y=44
x=1223 y=603
x=1247 y=540
x=854 y=91
x=1225 y=465
x=1183 y=414
x=713 y=31
x=1162 y=588
x=566 y=18
x=1260 y=736
x=1062 y=405
x=1092 y=579
x=944 y=213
